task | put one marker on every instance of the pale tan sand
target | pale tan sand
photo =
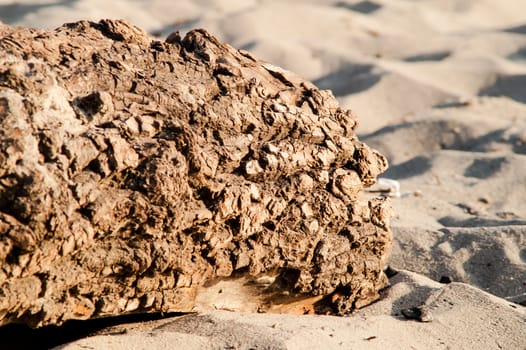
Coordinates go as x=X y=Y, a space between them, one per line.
x=440 y=88
x=463 y=317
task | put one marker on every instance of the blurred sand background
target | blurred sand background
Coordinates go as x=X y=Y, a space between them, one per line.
x=439 y=87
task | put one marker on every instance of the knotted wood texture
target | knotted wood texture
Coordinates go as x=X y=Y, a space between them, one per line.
x=138 y=175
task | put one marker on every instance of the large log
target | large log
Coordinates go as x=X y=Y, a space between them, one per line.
x=141 y=176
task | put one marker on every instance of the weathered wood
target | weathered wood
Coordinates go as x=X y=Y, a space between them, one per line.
x=138 y=176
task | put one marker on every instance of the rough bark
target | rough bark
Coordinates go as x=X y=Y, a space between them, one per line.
x=138 y=175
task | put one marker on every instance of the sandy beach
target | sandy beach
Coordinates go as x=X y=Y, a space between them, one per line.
x=439 y=87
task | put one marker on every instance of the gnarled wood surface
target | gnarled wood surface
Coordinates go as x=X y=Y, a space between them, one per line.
x=139 y=176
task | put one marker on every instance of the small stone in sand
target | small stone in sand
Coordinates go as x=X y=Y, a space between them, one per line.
x=419 y=313
x=445 y=280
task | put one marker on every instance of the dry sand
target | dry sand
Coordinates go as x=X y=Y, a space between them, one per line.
x=440 y=88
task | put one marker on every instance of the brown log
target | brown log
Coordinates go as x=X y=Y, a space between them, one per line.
x=141 y=176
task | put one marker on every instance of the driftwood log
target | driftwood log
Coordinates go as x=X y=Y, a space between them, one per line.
x=138 y=175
